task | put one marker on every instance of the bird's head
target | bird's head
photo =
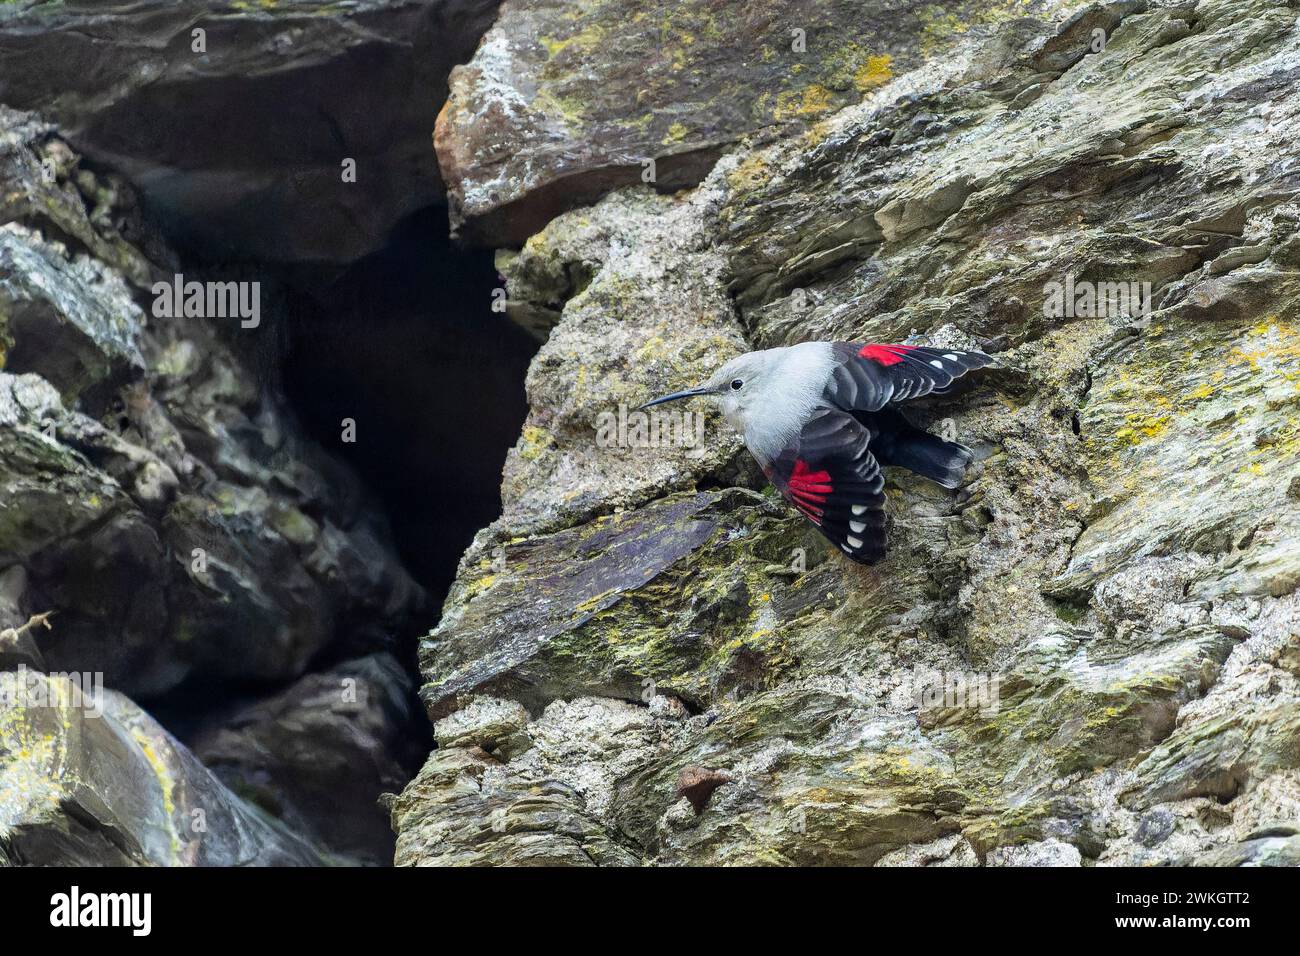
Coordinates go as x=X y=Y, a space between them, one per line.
x=735 y=388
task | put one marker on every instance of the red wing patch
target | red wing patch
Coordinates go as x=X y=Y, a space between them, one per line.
x=885 y=354
x=808 y=490
x=830 y=476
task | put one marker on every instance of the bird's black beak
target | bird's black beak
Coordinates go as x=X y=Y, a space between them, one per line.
x=689 y=393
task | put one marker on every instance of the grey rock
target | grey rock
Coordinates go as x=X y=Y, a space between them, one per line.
x=71 y=321
x=491 y=724
x=240 y=146
x=561 y=104
x=644 y=258
x=1046 y=853
x=154 y=496
x=91 y=780
x=1154 y=827
x=318 y=754
x=1267 y=851
x=952 y=850
x=462 y=810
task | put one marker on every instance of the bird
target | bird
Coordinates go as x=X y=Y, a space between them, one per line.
x=819 y=418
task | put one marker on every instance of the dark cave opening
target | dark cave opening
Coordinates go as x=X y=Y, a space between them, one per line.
x=405 y=344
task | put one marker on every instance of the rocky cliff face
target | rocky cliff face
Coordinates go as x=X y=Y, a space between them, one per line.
x=560 y=105
x=1088 y=652
x=205 y=628
x=165 y=508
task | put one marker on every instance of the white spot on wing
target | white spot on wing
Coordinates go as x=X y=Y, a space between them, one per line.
x=936 y=363
x=854 y=542
x=857 y=526
x=859 y=509
x=950 y=356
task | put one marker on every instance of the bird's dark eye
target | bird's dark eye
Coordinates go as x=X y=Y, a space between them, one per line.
x=736 y=383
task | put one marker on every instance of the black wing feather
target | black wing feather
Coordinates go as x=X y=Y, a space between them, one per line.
x=869 y=377
x=832 y=478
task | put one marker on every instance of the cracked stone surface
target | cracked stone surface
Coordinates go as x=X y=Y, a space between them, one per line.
x=1088 y=653
x=563 y=102
x=205 y=132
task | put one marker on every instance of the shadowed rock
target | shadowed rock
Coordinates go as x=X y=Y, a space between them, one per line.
x=155 y=495
x=318 y=754
x=239 y=146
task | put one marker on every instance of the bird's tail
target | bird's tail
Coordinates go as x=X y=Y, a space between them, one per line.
x=900 y=443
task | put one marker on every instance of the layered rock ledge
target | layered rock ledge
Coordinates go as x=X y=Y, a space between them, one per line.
x=1118 y=573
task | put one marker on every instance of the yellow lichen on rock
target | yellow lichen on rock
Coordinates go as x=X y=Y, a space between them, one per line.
x=874 y=72
x=811 y=100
